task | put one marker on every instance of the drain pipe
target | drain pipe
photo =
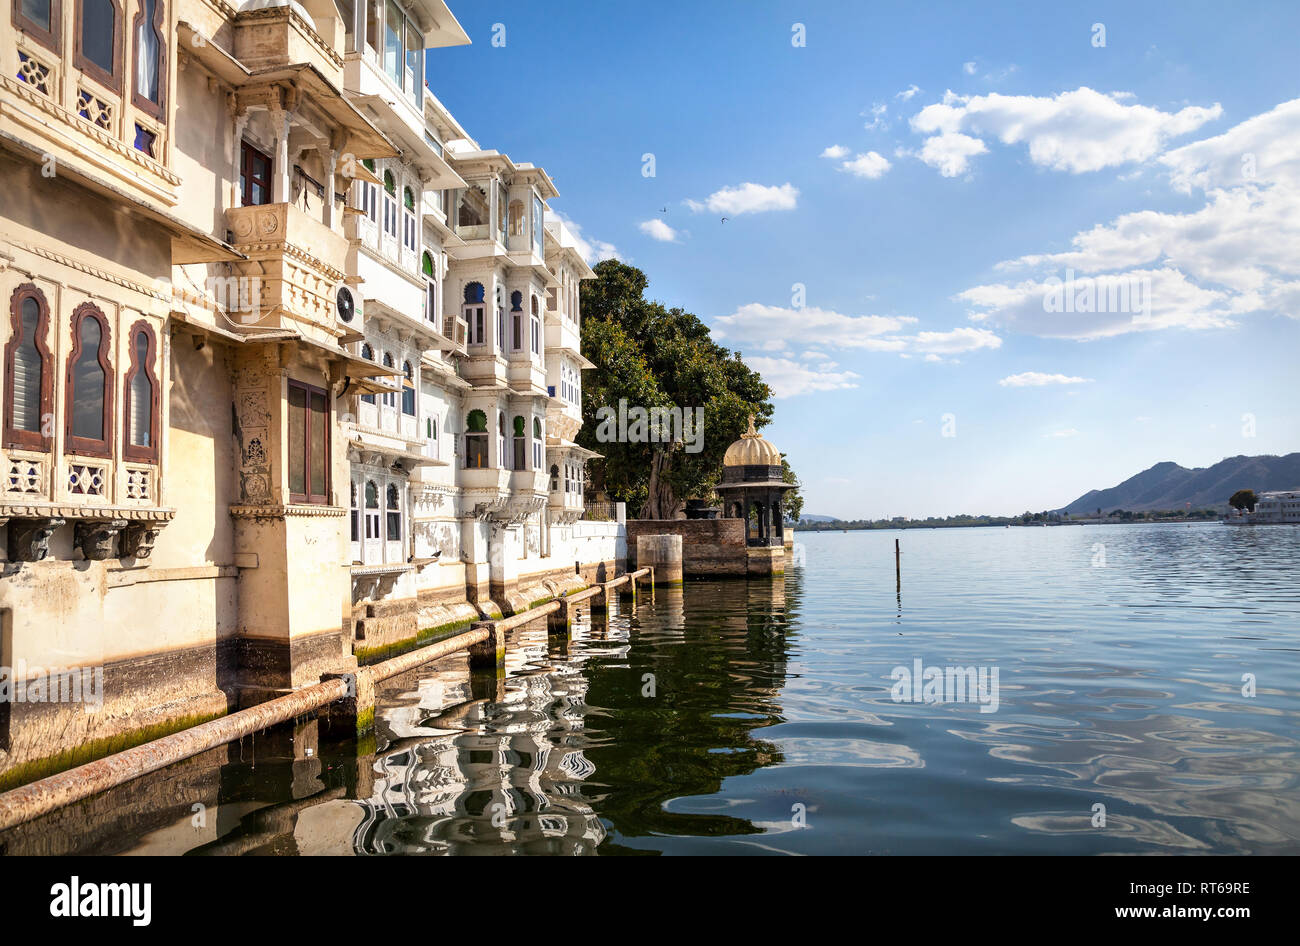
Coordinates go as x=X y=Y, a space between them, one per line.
x=48 y=794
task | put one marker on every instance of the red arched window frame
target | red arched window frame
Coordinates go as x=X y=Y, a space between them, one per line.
x=28 y=439
x=84 y=446
x=132 y=451
x=156 y=109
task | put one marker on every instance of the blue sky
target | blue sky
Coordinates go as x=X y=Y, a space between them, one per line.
x=924 y=174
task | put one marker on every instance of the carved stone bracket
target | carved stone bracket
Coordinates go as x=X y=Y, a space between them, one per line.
x=138 y=539
x=29 y=539
x=95 y=537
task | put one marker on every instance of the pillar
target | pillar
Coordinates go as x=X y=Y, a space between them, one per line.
x=663 y=553
x=491 y=652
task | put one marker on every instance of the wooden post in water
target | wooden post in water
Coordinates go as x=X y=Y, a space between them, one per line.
x=898 y=566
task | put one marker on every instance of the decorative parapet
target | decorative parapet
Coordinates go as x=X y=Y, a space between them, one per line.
x=286 y=511
x=376 y=581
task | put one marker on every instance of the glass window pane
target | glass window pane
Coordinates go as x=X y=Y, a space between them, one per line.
x=297 y=440
x=88 y=385
x=393 y=43
x=141 y=409
x=28 y=372
x=319 y=441
x=38 y=11
x=97 y=28
x=146 y=53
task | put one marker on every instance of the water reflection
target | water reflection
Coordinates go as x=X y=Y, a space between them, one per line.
x=756 y=717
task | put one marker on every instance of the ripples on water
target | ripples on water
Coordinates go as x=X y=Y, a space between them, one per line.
x=1119 y=685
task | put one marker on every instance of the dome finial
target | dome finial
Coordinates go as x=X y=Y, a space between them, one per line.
x=752 y=432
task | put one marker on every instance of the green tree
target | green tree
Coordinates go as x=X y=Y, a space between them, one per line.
x=1243 y=499
x=654 y=356
x=792 y=504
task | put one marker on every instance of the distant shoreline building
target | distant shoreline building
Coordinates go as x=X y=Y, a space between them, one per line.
x=1271 y=508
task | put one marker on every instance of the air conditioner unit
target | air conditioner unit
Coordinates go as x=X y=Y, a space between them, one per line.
x=345 y=306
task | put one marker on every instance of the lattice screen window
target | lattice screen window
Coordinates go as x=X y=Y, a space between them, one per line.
x=139 y=484
x=85 y=479
x=23 y=476
x=35 y=73
x=94 y=110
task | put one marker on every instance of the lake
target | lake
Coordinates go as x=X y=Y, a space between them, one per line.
x=1132 y=689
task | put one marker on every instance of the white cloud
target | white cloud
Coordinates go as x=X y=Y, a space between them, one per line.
x=908 y=92
x=968 y=68
x=951 y=152
x=877 y=114
x=956 y=341
x=748 y=198
x=1260 y=149
x=656 y=229
x=836 y=152
x=789 y=378
x=1066 y=432
x=1077 y=131
x=1172 y=301
x=1036 y=379
x=755 y=325
x=1237 y=254
x=870 y=165
x=592 y=250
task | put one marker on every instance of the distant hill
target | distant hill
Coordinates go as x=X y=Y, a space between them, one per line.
x=1169 y=486
x=808 y=517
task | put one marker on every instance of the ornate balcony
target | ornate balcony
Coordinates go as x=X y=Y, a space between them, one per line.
x=300 y=262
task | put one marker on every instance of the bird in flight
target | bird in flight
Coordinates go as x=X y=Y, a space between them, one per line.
x=663 y=210
x=724 y=219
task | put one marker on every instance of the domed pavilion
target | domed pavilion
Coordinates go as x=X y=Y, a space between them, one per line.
x=752 y=488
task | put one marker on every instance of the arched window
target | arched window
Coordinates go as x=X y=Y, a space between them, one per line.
x=476 y=445
x=535 y=332
x=355 y=515
x=431 y=307
x=367 y=353
x=389 y=397
x=555 y=477
x=537 y=444
x=390 y=204
x=501 y=320
x=473 y=311
x=29 y=371
x=141 y=397
x=516 y=321
x=42 y=20
x=372 y=510
x=150 y=86
x=410 y=229
x=521 y=445
x=408 y=390
x=90 y=384
x=98 y=41
x=394 y=511
x=501 y=439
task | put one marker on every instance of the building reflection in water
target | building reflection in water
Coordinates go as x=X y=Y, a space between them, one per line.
x=568 y=747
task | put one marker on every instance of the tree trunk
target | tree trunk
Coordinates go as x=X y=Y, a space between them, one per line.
x=661 y=502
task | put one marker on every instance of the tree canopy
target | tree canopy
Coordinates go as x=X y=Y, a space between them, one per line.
x=651 y=356
x=1243 y=499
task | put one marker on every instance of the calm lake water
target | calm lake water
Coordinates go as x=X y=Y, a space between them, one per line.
x=759 y=718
